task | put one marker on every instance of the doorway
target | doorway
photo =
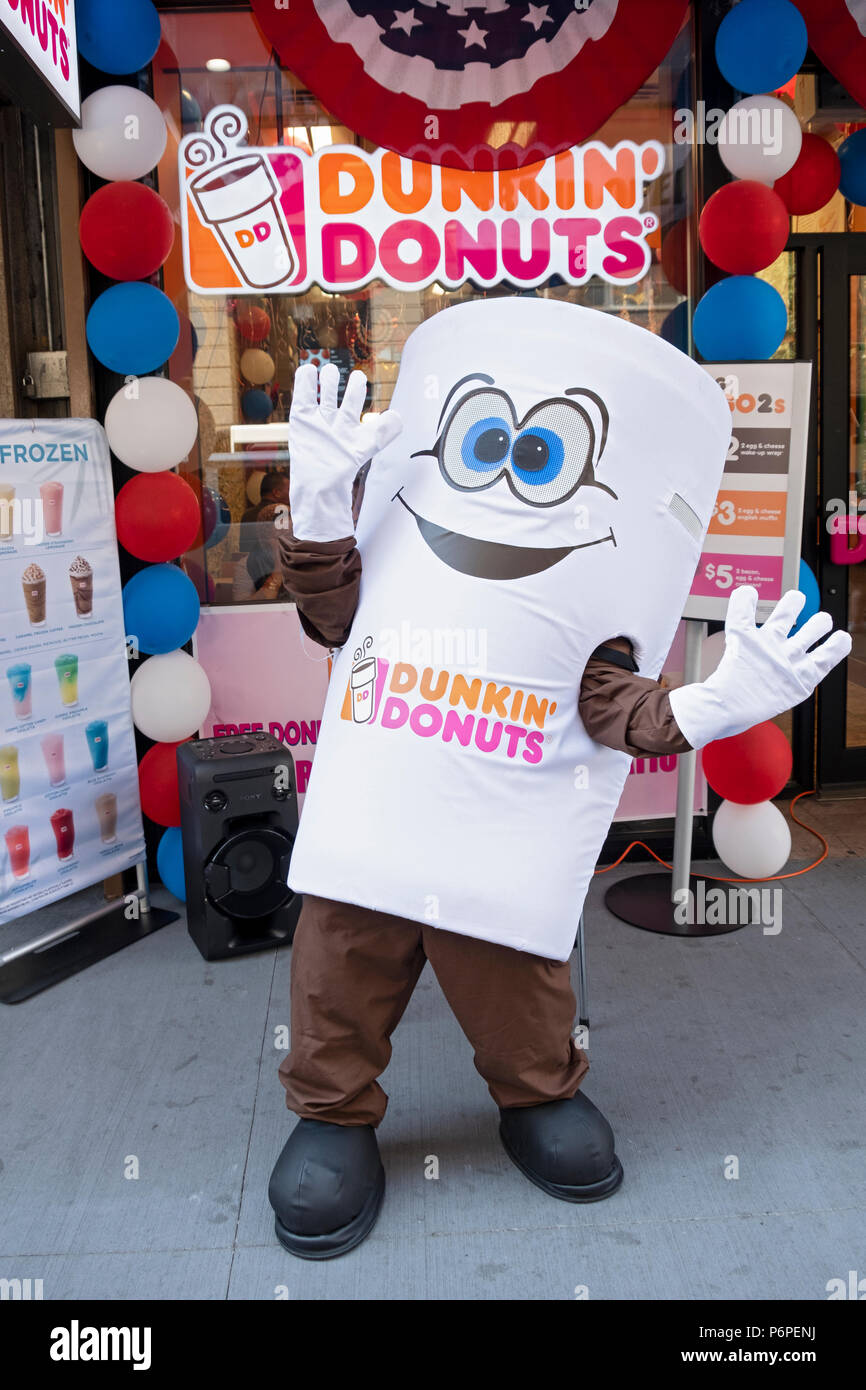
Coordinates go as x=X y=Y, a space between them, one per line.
x=839 y=286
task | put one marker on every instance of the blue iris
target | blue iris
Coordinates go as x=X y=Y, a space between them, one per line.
x=537 y=456
x=486 y=444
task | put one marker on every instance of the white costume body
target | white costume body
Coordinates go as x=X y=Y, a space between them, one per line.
x=469 y=808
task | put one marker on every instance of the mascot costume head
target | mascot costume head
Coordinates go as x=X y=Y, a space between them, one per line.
x=550 y=490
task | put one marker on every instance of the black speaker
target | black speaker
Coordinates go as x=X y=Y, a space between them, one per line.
x=239 y=818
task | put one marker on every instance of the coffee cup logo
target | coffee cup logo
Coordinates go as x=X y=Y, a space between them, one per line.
x=362 y=682
x=237 y=195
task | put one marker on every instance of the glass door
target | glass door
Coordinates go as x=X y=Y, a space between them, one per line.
x=842 y=698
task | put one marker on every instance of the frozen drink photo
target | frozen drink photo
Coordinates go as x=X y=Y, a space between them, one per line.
x=10 y=782
x=64 y=832
x=33 y=584
x=81 y=579
x=52 y=507
x=97 y=742
x=52 y=752
x=66 y=667
x=19 y=679
x=7 y=514
x=18 y=844
x=106 y=811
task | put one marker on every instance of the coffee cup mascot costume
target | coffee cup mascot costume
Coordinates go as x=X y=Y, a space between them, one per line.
x=522 y=556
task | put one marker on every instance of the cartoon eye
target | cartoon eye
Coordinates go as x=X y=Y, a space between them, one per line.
x=538 y=455
x=486 y=444
x=552 y=454
x=476 y=442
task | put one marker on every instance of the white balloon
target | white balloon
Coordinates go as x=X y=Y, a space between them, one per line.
x=170 y=697
x=759 y=138
x=712 y=651
x=754 y=841
x=254 y=487
x=151 y=424
x=122 y=134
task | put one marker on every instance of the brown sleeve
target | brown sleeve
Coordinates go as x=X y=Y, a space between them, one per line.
x=626 y=711
x=322 y=578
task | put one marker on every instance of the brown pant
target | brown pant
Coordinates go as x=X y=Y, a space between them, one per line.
x=353 y=971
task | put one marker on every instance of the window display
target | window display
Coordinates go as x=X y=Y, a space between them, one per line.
x=238 y=352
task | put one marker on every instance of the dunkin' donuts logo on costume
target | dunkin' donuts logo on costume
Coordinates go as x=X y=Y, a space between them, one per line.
x=276 y=218
x=447 y=705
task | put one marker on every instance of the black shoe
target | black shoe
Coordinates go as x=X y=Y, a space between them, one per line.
x=326 y=1188
x=564 y=1146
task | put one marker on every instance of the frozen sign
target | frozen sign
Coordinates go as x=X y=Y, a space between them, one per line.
x=279 y=219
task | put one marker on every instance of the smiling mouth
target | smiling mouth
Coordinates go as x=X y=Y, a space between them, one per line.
x=491 y=559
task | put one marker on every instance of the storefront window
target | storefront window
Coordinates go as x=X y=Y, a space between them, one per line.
x=855 y=704
x=824 y=108
x=238 y=353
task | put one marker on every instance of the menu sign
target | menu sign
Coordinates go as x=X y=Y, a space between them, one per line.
x=69 y=802
x=754 y=534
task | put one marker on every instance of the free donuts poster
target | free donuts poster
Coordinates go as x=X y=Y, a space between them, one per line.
x=69 y=802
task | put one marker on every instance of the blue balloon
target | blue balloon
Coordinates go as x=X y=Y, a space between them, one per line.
x=761 y=44
x=160 y=608
x=741 y=318
x=256 y=405
x=852 y=157
x=169 y=862
x=132 y=328
x=117 y=36
x=675 y=327
x=808 y=585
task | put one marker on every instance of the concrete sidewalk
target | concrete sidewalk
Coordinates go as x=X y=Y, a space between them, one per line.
x=748 y=1046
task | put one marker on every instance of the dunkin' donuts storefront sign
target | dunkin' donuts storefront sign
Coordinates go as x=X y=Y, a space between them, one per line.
x=278 y=219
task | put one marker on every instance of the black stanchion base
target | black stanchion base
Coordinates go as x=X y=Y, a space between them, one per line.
x=32 y=971
x=645 y=901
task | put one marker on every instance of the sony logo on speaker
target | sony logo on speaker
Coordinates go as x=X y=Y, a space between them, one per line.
x=250 y=796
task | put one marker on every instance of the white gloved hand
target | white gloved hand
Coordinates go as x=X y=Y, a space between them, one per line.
x=327 y=448
x=763 y=671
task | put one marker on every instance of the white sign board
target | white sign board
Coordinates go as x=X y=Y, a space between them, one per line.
x=44 y=32
x=279 y=218
x=754 y=536
x=69 y=803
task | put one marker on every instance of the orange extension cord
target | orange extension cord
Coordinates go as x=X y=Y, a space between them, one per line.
x=715 y=878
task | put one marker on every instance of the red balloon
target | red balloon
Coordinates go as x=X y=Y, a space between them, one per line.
x=253 y=323
x=744 y=227
x=157 y=780
x=749 y=767
x=126 y=230
x=157 y=516
x=813 y=178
